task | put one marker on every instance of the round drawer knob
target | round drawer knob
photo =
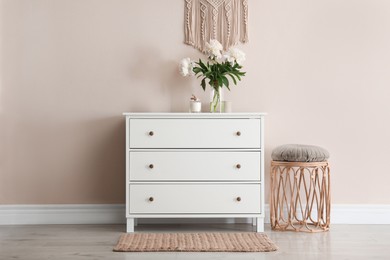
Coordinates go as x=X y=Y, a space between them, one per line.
x=238 y=166
x=151 y=166
x=238 y=133
x=151 y=199
x=238 y=198
x=151 y=133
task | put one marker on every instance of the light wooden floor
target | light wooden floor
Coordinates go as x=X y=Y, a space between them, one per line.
x=96 y=242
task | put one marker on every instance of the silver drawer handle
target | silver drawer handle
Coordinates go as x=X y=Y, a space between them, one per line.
x=151 y=133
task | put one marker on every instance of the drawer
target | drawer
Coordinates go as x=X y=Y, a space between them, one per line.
x=194 y=133
x=194 y=198
x=194 y=166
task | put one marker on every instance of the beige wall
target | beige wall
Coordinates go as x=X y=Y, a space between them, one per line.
x=70 y=68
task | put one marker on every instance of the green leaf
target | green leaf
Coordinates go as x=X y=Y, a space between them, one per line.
x=233 y=78
x=201 y=64
x=211 y=82
x=225 y=81
x=203 y=84
x=220 y=82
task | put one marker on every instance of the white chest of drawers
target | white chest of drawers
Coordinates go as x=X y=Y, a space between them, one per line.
x=182 y=165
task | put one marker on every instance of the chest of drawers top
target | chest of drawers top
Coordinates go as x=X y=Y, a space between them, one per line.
x=195 y=115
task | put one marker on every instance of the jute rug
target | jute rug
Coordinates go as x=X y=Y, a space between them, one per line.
x=195 y=242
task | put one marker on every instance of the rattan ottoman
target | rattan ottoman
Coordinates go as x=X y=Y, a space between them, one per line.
x=300 y=188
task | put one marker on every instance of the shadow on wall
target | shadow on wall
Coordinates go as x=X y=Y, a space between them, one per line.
x=107 y=160
x=94 y=155
x=155 y=75
x=70 y=162
x=178 y=87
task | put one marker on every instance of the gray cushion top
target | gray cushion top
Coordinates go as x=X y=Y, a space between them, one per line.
x=299 y=153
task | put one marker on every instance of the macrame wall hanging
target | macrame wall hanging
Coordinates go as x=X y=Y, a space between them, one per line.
x=224 y=20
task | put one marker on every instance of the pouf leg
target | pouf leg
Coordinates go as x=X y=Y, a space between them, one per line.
x=300 y=196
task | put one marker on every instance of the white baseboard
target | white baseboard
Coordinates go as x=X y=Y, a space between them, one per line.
x=360 y=214
x=62 y=214
x=115 y=214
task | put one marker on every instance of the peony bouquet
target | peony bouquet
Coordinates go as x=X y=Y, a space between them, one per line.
x=217 y=70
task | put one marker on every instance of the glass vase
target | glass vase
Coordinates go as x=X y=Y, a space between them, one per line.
x=216 y=97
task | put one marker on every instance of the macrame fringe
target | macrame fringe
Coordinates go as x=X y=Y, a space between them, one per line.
x=224 y=20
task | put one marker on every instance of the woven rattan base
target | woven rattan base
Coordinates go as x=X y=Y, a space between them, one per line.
x=300 y=196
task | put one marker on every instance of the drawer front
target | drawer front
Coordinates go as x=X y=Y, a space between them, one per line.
x=194 y=198
x=194 y=133
x=194 y=166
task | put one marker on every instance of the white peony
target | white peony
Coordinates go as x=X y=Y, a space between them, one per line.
x=186 y=66
x=214 y=49
x=235 y=55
